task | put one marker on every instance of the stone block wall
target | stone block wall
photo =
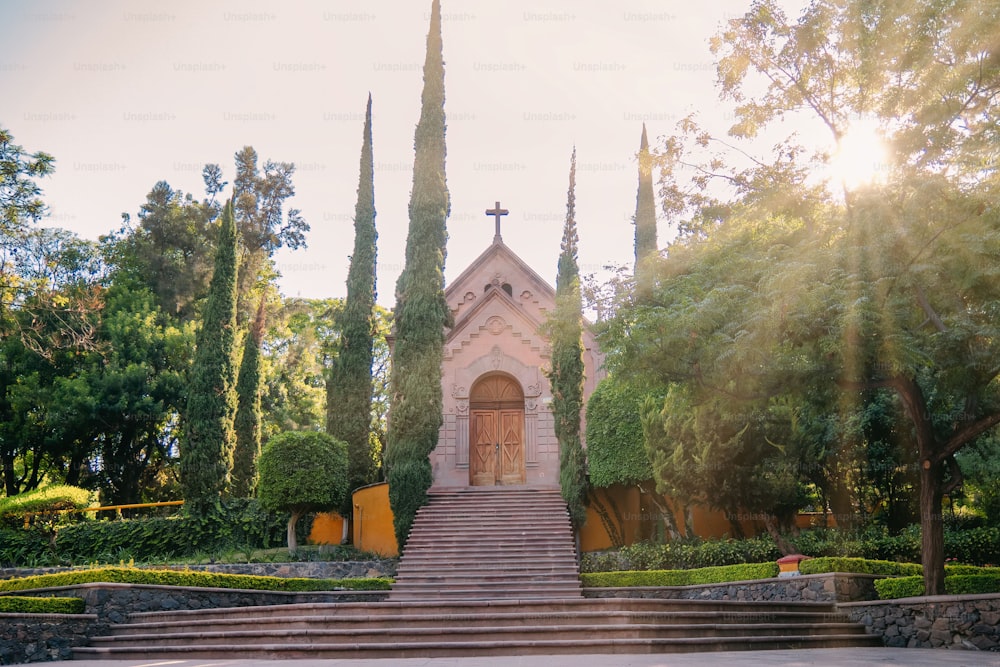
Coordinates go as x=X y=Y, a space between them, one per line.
x=309 y=570
x=832 y=587
x=944 y=621
x=44 y=637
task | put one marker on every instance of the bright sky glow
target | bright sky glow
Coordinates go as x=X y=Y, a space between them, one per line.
x=861 y=158
x=125 y=93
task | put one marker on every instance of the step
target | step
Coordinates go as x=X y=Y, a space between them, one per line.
x=516 y=619
x=396 y=650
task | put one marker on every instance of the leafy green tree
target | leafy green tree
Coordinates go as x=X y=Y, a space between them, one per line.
x=565 y=330
x=784 y=294
x=207 y=455
x=645 y=214
x=247 y=424
x=170 y=250
x=300 y=472
x=349 y=387
x=20 y=195
x=421 y=313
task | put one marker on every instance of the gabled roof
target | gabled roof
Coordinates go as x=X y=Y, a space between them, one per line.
x=499 y=249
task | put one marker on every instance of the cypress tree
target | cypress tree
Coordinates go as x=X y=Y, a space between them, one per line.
x=207 y=458
x=249 y=387
x=645 y=217
x=566 y=375
x=349 y=387
x=421 y=313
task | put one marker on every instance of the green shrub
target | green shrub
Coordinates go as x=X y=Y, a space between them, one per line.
x=965 y=584
x=900 y=587
x=972 y=584
x=859 y=566
x=705 y=575
x=49 y=499
x=12 y=604
x=688 y=554
x=301 y=472
x=187 y=578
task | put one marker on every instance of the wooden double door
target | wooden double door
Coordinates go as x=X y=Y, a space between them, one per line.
x=496 y=424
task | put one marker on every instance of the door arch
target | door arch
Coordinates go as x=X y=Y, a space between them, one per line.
x=496 y=431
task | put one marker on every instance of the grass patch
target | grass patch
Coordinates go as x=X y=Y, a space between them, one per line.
x=12 y=604
x=704 y=575
x=188 y=578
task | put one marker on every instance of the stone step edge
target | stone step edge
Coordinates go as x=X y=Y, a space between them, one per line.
x=236 y=649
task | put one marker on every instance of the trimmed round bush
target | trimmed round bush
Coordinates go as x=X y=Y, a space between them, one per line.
x=300 y=472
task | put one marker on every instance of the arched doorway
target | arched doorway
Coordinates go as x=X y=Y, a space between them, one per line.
x=496 y=431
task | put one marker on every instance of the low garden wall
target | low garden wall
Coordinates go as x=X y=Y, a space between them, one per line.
x=307 y=569
x=113 y=602
x=830 y=587
x=943 y=621
x=43 y=637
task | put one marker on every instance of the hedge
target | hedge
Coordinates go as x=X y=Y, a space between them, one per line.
x=45 y=500
x=188 y=578
x=963 y=584
x=888 y=568
x=704 y=575
x=235 y=524
x=12 y=604
x=859 y=566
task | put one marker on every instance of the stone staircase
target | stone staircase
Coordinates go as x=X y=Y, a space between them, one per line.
x=485 y=573
x=489 y=543
x=429 y=629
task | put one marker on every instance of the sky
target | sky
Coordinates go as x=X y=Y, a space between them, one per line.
x=126 y=93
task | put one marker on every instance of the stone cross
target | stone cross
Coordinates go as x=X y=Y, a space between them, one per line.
x=496 y=213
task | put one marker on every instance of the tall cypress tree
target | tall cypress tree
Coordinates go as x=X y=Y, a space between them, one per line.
x=249 y=388
x=421 y=313
x=645 y=217
x=207 y=458
x=349 y=386
x=566 y=375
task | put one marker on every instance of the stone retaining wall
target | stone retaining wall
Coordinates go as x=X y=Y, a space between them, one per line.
x=309 y=569
x=948 y=621
x=830 y=587
x=43 y=637
x=112 y=602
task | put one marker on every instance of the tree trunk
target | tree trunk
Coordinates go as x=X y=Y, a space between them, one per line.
x=293 y=543
x=932 y=527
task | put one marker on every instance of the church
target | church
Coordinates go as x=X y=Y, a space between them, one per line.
x=498 y=425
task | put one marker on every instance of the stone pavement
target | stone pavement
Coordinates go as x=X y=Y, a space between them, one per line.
x=832 y=657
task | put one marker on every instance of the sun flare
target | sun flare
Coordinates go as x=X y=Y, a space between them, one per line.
x=861 y=157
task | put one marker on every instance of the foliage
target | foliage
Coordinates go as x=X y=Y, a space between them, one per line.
x=47 y=499
x=859 y=566
x=259 y=198
x=981 y=465
x=616 y=453
x=247 y=423
x=13 y=604
x=969 y=584
x=206 y=458
x=645 y=216
x=706 y=575
x=421 y=313
x=349 y=385
x=783 y=299
x=565 y=332
x=169 y=251
x=302 y=472
x=20 y=202
x=236 y=524
x=154 y=577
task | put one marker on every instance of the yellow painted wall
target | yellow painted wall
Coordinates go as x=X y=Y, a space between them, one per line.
x=373 y=520
x=327 y=528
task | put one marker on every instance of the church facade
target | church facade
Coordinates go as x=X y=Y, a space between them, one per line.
x=498 y=423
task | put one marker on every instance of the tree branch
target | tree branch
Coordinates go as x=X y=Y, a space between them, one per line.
x=965 y=435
